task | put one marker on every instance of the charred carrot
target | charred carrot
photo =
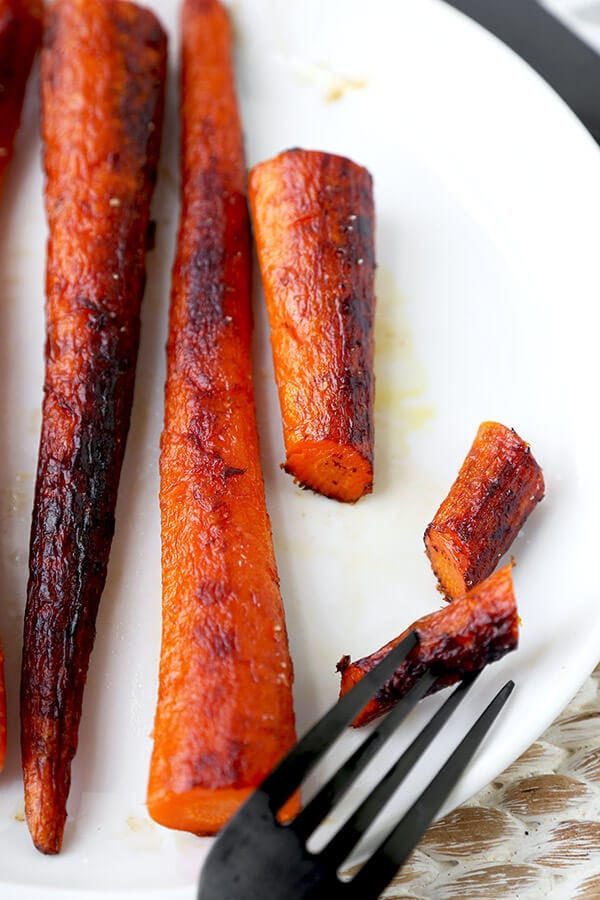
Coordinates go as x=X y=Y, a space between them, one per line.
x=103 y=70
x=314 y=228
x=224 y=714
x=497 y=487
x=474 y=630
x=20 y=36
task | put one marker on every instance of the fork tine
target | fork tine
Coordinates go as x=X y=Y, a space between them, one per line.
x=294 y=767
x=340 y=845
x=313 y=813
x=379 y=870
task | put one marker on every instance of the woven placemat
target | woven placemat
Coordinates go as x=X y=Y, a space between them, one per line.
x=533 y=833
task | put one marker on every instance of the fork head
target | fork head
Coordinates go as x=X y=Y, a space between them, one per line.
x=256 y=856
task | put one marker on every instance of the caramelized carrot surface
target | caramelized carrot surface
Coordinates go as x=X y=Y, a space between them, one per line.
x=224 y=715
x=314 y=228
x=103 y=70
x=498 y=486
x=477 y=629
x=20 y=36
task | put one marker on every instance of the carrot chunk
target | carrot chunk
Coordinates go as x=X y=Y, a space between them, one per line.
x=474 y=630
x=103 y=71
x=313 y=222
x=224 y=715
x=497 y=487
x=20 y=36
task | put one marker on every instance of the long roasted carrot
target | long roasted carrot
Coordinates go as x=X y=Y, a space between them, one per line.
x=224 y=714
x=498 y=486
x=20 y=36
x=313 y=222
x=103 y=70
x=474 y=630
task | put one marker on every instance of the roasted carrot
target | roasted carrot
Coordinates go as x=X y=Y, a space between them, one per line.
x=474 y=630
x=313 y=223
x=103 y=71
x=224 y=714
x=497 y=487
x=20 y=36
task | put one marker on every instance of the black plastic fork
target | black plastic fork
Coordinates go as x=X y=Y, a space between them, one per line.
x=257 y=858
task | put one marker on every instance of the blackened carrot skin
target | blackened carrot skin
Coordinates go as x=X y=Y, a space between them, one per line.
x=459 y=639
x=314 y=221
x=103 y=71
x=225 y=714
x=20 y=37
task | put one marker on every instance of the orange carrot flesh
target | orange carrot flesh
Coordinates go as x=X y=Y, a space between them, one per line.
x=224 y=715
x=463 y=637
x=313 y=223
x=103 y=71
x=497 y=487
x=20 y=36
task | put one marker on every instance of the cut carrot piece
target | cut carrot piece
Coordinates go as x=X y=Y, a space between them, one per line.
x=20 y=36
x=313 y=222
x=103 y=72
x=225 y=714
x=498 y=486
x=474 y=630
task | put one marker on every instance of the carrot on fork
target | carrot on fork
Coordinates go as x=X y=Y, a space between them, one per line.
x=224 y=714
x=20 y=36
x=455 y=641
x=313 y=220
x=103 y=72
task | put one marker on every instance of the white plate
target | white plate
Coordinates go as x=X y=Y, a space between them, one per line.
x=488 y=203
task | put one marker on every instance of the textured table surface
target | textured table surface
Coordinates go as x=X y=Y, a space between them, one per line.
x=533 y=833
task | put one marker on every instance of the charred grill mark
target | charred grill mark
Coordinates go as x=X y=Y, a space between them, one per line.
x=229 y=765
x=142 y=44
x=230 y=471
x=206 y=289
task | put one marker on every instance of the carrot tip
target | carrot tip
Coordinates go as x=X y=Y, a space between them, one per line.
x=46 y=818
